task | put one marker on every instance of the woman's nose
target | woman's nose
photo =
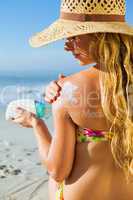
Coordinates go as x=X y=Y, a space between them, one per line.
x=69 y=46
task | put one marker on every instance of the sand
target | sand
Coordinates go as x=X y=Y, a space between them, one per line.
x=21 y=173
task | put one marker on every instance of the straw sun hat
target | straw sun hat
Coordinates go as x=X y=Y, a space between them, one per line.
x=79 y=17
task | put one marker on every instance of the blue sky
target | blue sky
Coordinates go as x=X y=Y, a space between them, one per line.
x=19 y=19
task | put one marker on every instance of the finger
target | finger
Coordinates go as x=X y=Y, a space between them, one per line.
x=61 y=76
x=50 y=100
x=19 y=113
x=52 y=90
x=20 y=110
x=51 y=96
x=58 y=94
x=25 y=125
x=53 y=82
x=18 y=120
x=54 y=85
x=47 y=99
x=12 y=118
x=21 y=124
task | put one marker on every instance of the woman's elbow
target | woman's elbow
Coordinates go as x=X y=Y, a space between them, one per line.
x=53 y=172
x=58 y=177
x=58 y=173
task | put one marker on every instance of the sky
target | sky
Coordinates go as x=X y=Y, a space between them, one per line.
x=20 y=19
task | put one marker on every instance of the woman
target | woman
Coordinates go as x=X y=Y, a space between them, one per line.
x=90 y=155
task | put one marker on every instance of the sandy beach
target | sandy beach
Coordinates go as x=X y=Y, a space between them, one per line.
x=21 y=173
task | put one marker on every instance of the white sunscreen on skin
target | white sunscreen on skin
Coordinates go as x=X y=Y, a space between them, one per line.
x=67 y=95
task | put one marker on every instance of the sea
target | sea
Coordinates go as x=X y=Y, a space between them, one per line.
x=18 y=84
x=22 y=85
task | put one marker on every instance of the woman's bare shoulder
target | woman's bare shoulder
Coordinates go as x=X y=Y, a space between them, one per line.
x=76 y=87
x=81 y=79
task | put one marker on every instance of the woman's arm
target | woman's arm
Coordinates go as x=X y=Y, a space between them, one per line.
x=43 y=137
x=62 y=149
x=57 y=152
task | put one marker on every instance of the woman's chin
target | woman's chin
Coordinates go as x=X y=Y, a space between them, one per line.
x=82 y=63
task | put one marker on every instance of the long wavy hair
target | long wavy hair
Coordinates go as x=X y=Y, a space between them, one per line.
x=115 y=56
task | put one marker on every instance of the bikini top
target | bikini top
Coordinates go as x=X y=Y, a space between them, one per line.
x=89 y=135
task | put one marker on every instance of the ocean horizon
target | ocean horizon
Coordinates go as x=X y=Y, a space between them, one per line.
x=16 y=85
x=23 y=84
x=28 y=83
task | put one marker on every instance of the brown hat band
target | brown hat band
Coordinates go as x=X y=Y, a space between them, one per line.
x=94 y=17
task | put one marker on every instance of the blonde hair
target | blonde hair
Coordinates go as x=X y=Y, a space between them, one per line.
x=115 y=55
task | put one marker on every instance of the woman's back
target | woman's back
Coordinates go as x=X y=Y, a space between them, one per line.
x=94 y=175
x=82 y=94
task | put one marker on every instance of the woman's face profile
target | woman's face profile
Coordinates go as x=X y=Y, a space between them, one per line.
x=82 y=48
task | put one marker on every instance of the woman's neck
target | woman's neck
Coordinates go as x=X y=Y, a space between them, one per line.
x=99 y=67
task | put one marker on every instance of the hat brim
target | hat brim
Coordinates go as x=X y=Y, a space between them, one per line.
x=61 y=29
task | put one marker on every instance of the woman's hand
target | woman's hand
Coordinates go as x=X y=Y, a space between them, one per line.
x=25 y=118
x=52 y=91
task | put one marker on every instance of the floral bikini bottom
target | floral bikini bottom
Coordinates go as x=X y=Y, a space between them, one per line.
x=85 y=135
